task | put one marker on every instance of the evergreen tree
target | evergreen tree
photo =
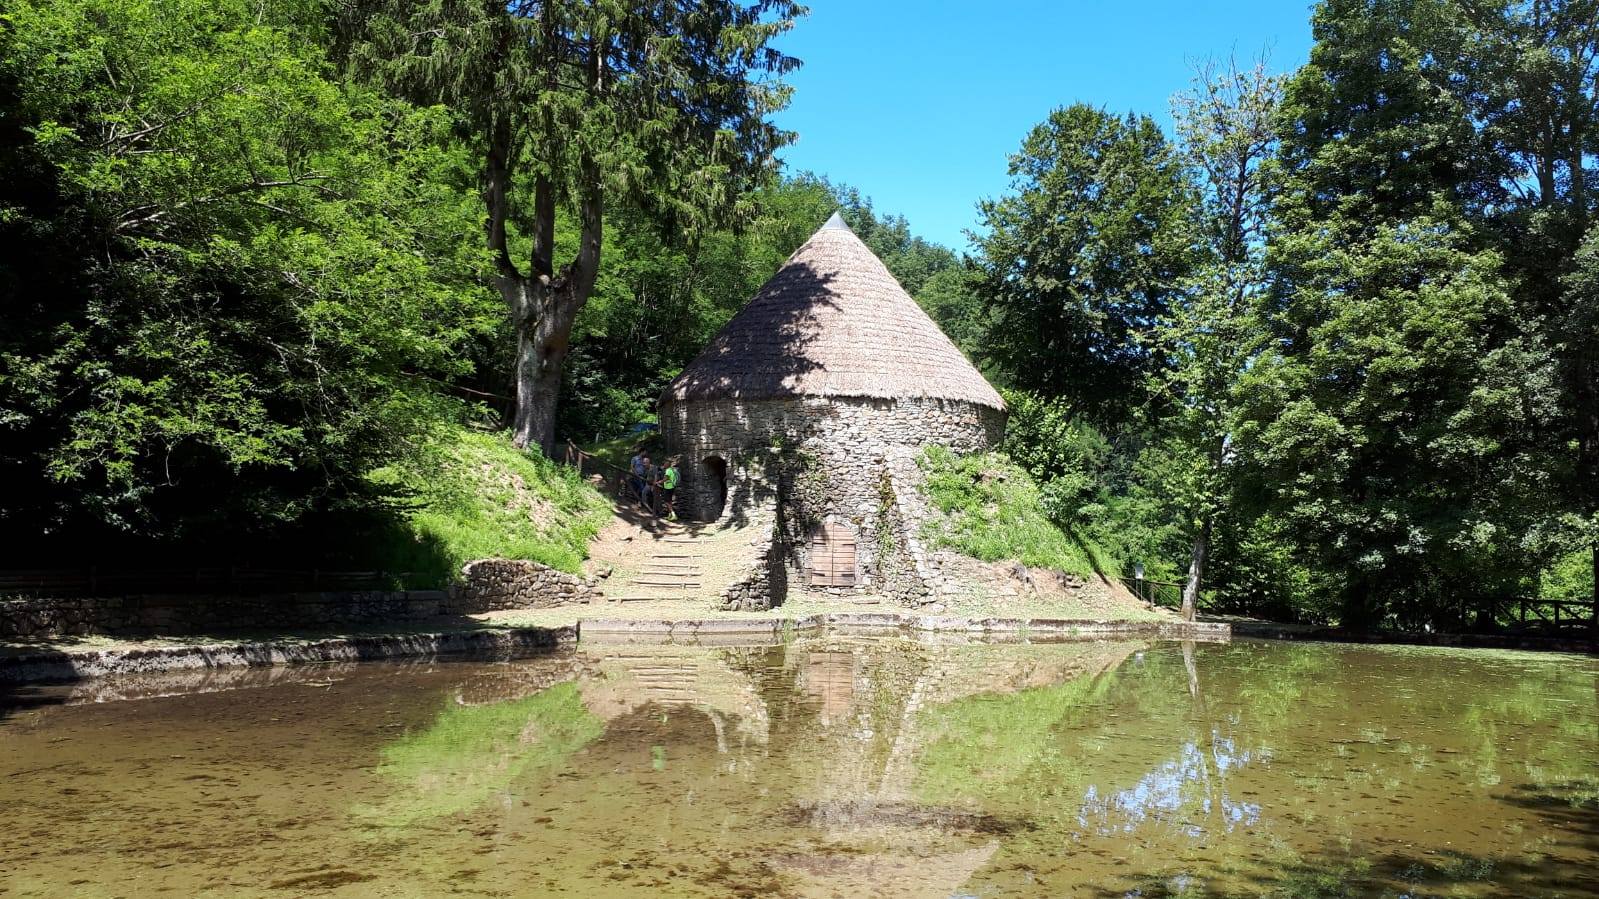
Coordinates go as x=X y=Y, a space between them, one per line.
x=585 y=105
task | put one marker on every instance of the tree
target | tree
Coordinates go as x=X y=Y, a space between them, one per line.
x=1531 y=77
x=229 y=283
x=1086 y=251
x=1396 y=425
x=580 y=104
x=1227 y=129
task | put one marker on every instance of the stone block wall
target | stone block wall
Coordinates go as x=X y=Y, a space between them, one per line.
x=489 y=585
x=847 y=436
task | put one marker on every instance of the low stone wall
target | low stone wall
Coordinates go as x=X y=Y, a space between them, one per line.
x=492 y=585
x=1030 y=629
x=486 y=586
x=70 y=666
x=199 y=613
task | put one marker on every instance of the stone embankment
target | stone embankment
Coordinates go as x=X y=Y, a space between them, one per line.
x=493 y=585
x=58 y=665
x=489 y=585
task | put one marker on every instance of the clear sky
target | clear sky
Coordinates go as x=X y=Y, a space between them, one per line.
x=919 y=103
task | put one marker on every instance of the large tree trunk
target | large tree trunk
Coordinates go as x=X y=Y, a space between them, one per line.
x=545 y=305
x=1196 y=569
x=542 y=339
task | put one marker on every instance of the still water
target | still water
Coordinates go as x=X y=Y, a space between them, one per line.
x=834 y=766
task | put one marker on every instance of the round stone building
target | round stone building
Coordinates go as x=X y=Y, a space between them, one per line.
x=815 y=401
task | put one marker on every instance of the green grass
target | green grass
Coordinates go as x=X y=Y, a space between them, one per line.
x=992 y=512
x=472 y=495
x=472 y=753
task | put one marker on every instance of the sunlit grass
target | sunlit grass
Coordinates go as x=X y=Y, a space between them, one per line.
x=992 y=512
x=475 y=496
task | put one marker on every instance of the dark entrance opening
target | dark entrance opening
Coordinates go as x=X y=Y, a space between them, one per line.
x=716 y=476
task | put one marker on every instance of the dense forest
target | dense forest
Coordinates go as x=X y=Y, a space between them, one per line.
x=1326 y=349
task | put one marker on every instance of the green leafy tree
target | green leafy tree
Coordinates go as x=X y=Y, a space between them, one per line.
x=1530 y=76
x=1086 y=251
x=1227 y=126
x=585 y=105
x=230 y=283
x=1396 y=425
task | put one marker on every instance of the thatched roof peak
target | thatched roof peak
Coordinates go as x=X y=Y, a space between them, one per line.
x=832 y=322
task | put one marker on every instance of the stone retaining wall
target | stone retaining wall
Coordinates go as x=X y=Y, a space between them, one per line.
x=486 y=586
x=199 y=613
x=492 y=585
x=70 y=666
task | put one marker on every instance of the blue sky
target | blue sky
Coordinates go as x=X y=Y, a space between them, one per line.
x=918 y=103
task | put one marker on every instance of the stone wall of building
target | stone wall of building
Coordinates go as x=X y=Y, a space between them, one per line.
x=486 y=586
x=845 y=432
x=838 y=460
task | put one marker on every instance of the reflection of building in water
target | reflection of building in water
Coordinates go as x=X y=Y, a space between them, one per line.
x=865 y=742
x=869 y=702
x=624 y=679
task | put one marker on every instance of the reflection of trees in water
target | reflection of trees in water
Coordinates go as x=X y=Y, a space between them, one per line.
x=1299 y=768
x=1276 y=763
x=472 y=752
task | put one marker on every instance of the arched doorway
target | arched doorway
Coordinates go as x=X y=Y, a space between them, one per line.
x=715 y=469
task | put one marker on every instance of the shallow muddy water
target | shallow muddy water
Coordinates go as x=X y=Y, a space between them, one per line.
x=831 y=766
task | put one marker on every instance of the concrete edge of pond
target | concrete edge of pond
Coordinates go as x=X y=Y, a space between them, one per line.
x=57 y=666
x=894 y=621
x=66 y=665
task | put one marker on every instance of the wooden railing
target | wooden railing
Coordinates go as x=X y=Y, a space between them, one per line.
x=617 y=480
x=1555 y=614
x=1161 y=593
x=126 y=582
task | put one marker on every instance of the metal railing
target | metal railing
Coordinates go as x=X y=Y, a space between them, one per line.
x=1543 y=613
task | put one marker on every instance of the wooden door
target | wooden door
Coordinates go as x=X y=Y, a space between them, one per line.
x=833 y=556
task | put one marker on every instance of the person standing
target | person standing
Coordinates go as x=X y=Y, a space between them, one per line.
x=669 y=488
x=647 y=477
x=636 y=468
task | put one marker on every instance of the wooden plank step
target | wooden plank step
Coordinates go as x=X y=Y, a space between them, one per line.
x=684 y=584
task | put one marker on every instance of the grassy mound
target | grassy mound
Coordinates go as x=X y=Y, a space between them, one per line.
x=992 y=511
x=472 y=495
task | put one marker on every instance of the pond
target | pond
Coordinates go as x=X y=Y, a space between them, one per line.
x=828 y=766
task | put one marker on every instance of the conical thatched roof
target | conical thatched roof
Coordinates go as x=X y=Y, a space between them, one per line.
x=832 y=322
